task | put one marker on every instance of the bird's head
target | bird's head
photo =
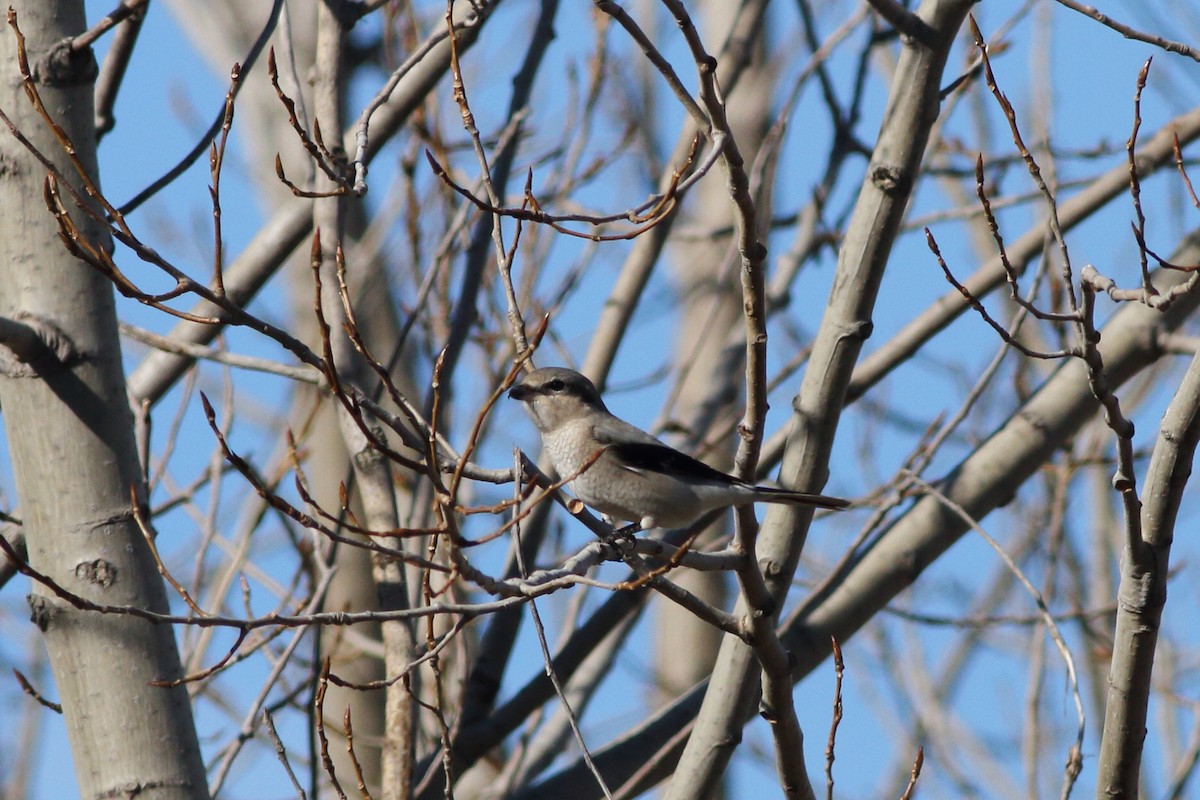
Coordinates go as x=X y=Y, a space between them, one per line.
x=554 y=396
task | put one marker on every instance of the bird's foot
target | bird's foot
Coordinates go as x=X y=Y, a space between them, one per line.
x=622 y=540
x=627 y=531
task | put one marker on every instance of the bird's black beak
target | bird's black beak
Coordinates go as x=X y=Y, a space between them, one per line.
x=520 y=392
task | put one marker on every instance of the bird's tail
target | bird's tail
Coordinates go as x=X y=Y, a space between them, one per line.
x=770 y=494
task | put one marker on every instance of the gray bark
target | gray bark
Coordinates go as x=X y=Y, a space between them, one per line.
x=912 y=109
x=71 y=441
x=1143 y=592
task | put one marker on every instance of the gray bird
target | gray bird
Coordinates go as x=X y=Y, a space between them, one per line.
x=624 y=472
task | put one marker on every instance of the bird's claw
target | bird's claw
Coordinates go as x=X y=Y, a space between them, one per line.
x=623 y=540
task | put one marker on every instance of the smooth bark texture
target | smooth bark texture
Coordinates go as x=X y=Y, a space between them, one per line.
x=988 y=478
x=891 y=175
x=72 y=447
x=1143 y=592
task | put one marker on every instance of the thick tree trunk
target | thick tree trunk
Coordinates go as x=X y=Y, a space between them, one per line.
x=71 y=441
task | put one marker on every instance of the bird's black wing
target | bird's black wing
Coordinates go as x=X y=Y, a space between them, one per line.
x=646 y=457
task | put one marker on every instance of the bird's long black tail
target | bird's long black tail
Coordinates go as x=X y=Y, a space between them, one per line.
x=770 y=494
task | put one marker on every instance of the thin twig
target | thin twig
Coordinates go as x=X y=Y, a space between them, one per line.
x=125 y=10
x=548 y=661
x=1074 y=761
x=27 y=687
x=1170 y=46
x=247 y=63
x=914 y=774
x=1008 y=337
x=326 y=759
x=839 y=668
x=281 y=752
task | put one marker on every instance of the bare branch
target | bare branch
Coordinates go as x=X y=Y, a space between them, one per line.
x=1130 y=33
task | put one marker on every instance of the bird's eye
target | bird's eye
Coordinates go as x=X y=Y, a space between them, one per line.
x=556 y=385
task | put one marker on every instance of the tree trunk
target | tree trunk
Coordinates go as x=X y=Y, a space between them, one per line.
x=72 y=447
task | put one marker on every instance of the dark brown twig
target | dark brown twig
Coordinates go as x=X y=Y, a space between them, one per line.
x=332 y=164
x=1003 y=332
x=27 y=687
x=280 y=504
x=1035 y=171
x=216 y=159
x=319 y=703
x=651 y=213
x=1183 y=171
x=214 y=669
x=358 y=770
x=1135 y=184
x=839 y=669
x=918 y=762
x=1010 y=273
x=148 y=535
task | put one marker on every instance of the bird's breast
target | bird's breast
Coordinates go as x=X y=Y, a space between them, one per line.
x=570 y=446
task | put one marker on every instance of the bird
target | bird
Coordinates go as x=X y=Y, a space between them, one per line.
x=624 y=472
